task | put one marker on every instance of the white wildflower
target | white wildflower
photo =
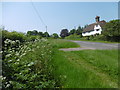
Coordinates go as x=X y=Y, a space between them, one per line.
x=17 y=54
x=30 y=64
x=1 y=51
x=8 y=55
x=10 y=61
x=7 y=85
x=13 y=42
x=18 y=60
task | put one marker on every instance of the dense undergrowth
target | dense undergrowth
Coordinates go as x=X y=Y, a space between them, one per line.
x=27 y=65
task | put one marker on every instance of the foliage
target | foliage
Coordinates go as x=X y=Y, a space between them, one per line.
x=13 y=36
x=79 y=31
x=40 y=33
x=64 y=33
x=55 y=35
x=26 y=66
x=73 y=37
x=111 y=31
x=34 y=32
x=46 y=34
x=73 y=31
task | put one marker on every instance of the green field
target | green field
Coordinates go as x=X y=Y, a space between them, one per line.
x=86 y=68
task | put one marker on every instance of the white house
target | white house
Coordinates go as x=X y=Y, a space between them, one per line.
x=94 y=28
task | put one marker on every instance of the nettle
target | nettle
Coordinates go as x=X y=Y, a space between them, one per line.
x=27 y=65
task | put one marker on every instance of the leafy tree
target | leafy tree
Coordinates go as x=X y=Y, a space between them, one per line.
x=40 y=33
x=73 y=31
x=111 y=30
x=79 y=31
x=29 y=33
x=13 y=36
x=46 y=34
x=55 y=35
x=34 y=32
x=64 y=33
x=85 y=26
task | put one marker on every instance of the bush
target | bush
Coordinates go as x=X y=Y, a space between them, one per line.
x=13 y=36
x=27 y=66
x=73 y=37
x=111 y=31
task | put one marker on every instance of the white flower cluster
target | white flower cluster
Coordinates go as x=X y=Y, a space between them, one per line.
x=15 y=55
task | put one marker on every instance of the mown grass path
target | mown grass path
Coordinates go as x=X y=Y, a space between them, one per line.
x=104 y=77
x=86 y=68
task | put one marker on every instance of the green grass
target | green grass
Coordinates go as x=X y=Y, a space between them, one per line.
x=60 y=43
x=85 y=69
x=77 y=37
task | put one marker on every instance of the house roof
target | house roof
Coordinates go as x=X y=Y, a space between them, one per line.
x=91 y=26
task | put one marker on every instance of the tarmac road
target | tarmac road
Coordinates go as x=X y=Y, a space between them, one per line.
x=96 y=45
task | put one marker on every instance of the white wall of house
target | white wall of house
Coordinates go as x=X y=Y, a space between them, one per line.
x=97 y=30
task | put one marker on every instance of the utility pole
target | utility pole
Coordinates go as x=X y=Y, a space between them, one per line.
x=46 y=28
x=75 y=28
x=46 y=31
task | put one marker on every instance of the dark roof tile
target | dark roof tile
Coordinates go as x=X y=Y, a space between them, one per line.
x=91 y=26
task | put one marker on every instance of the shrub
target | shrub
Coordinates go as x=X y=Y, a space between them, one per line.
x=13 y=36
x=111 y=31
x=27 y=66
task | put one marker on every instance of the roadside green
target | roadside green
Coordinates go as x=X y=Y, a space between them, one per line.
x=60 y=43
x=85 y=69
x=95 y=39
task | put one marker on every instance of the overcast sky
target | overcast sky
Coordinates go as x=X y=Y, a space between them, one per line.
x=21 y=16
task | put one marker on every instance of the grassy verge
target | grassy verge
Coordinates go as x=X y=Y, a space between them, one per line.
x=58 y=43
x=93 y=41
x=86 y=69
x=77 y=37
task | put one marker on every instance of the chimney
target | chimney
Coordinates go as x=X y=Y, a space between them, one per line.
x=97 y=18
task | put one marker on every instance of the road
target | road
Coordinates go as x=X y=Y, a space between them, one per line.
x=96 y=45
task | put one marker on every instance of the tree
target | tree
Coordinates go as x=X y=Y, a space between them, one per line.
x=64 y=33
x=111 y=30
x=85 y=26
x=40 y=33
x=73 y=31
x=79 y=31
x=55 y=35
x=29 y=33
x=46 y=34
x=34 y=32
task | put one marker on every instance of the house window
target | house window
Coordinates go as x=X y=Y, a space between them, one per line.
x=97 y=29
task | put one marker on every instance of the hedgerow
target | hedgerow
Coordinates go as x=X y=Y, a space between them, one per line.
x=27 y=65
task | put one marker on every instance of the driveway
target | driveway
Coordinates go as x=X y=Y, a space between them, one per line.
x=85 y=45
x=96 y=45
